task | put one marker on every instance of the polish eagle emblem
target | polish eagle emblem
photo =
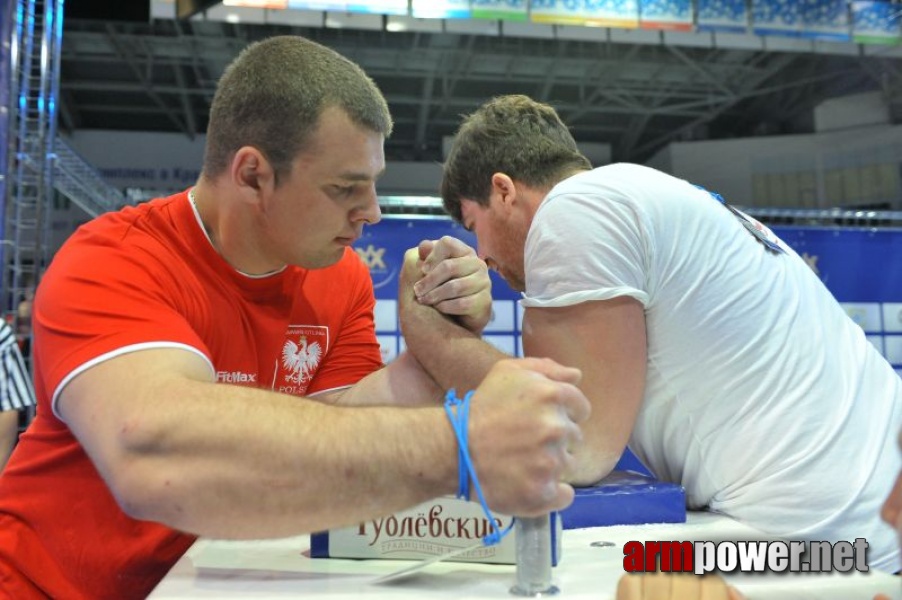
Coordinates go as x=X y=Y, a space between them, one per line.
x=300 y=360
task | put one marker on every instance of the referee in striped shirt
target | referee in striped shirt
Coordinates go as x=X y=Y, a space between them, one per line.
x=16 y=391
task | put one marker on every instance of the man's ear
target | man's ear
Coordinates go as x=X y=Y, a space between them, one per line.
x=504 y=189
x=252 y=174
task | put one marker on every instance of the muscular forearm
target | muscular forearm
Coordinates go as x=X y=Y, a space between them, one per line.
x=441 y=326
x=452 y=355
x=403 y=382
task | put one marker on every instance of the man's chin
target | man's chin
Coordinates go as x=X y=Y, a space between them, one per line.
x=323 y=261
x=518 y=285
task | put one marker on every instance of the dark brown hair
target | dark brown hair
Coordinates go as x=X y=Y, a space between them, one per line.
x=514 y=135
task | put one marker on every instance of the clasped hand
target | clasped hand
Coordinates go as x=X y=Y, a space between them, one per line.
x=454 y=281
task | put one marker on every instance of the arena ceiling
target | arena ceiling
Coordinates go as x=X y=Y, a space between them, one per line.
x=637 y=91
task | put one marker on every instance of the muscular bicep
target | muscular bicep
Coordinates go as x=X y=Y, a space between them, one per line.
x=105 y=404
x=605 y=339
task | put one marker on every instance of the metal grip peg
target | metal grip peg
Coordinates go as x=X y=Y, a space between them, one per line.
x=533 y=544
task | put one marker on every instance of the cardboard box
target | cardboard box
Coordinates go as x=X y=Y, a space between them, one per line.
x=427 y=530
x=447 y=524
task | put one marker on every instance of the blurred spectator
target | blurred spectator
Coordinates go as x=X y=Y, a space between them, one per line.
x=16 y=391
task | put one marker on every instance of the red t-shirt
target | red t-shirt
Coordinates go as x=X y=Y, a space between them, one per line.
x=147 y=277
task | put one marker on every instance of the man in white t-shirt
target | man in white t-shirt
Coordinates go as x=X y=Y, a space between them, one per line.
x=704 y=341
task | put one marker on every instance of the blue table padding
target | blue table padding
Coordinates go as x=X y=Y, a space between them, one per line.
x=319 y=544
x=626 y=498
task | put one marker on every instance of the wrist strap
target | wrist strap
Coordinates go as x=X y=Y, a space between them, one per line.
x=458 y=412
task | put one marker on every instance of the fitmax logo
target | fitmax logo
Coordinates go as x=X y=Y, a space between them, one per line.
x=372 y=257
x=236 y=377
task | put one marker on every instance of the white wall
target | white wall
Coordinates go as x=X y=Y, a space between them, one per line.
x=410 y=179
x=662 y=160
x=170 y=161
x=854 y=110
x=164 y=161
x=847 y=167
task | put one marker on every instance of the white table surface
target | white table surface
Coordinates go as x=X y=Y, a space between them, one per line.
x=282 y=569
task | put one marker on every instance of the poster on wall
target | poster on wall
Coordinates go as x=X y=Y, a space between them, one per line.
x=506 y=10
x=440 y=9
x=599 y=13
x=317 y=5
x=875 y=22
x=379 y=7
x=673 y=15
x=776 y=17
x=727 y=16
x=826 y=20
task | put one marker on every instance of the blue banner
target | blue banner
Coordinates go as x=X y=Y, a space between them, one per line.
x=862 y=268
x=826 y=19
x=875 y=22
x=729 y=16
x=776 y=17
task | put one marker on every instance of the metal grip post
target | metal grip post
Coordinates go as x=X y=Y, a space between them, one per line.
x=533 y=542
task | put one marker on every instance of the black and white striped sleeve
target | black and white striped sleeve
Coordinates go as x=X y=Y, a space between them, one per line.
x=16 y=391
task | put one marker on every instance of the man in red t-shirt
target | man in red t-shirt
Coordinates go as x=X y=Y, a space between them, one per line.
x=174 y=339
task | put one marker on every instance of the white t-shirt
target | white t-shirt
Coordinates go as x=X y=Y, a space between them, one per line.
x=763 y=398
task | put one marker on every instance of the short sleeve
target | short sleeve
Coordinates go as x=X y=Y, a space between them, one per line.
x=586 y=246
x=115 y=300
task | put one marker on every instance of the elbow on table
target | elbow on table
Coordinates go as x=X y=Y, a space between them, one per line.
x=589 y=470
x=139 y=488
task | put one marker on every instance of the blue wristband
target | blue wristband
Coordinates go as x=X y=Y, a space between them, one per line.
x=458 y=412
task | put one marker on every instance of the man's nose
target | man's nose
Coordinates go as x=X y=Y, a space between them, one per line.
x=370 y=212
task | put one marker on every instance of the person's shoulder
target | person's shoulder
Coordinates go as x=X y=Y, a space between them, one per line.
x=144 y=235
x=608 y=181
x=616 y=173
x=7 y=335
x=151 y=217
x=624 y=182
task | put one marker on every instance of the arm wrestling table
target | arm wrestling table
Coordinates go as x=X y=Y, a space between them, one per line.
x=282 y=569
